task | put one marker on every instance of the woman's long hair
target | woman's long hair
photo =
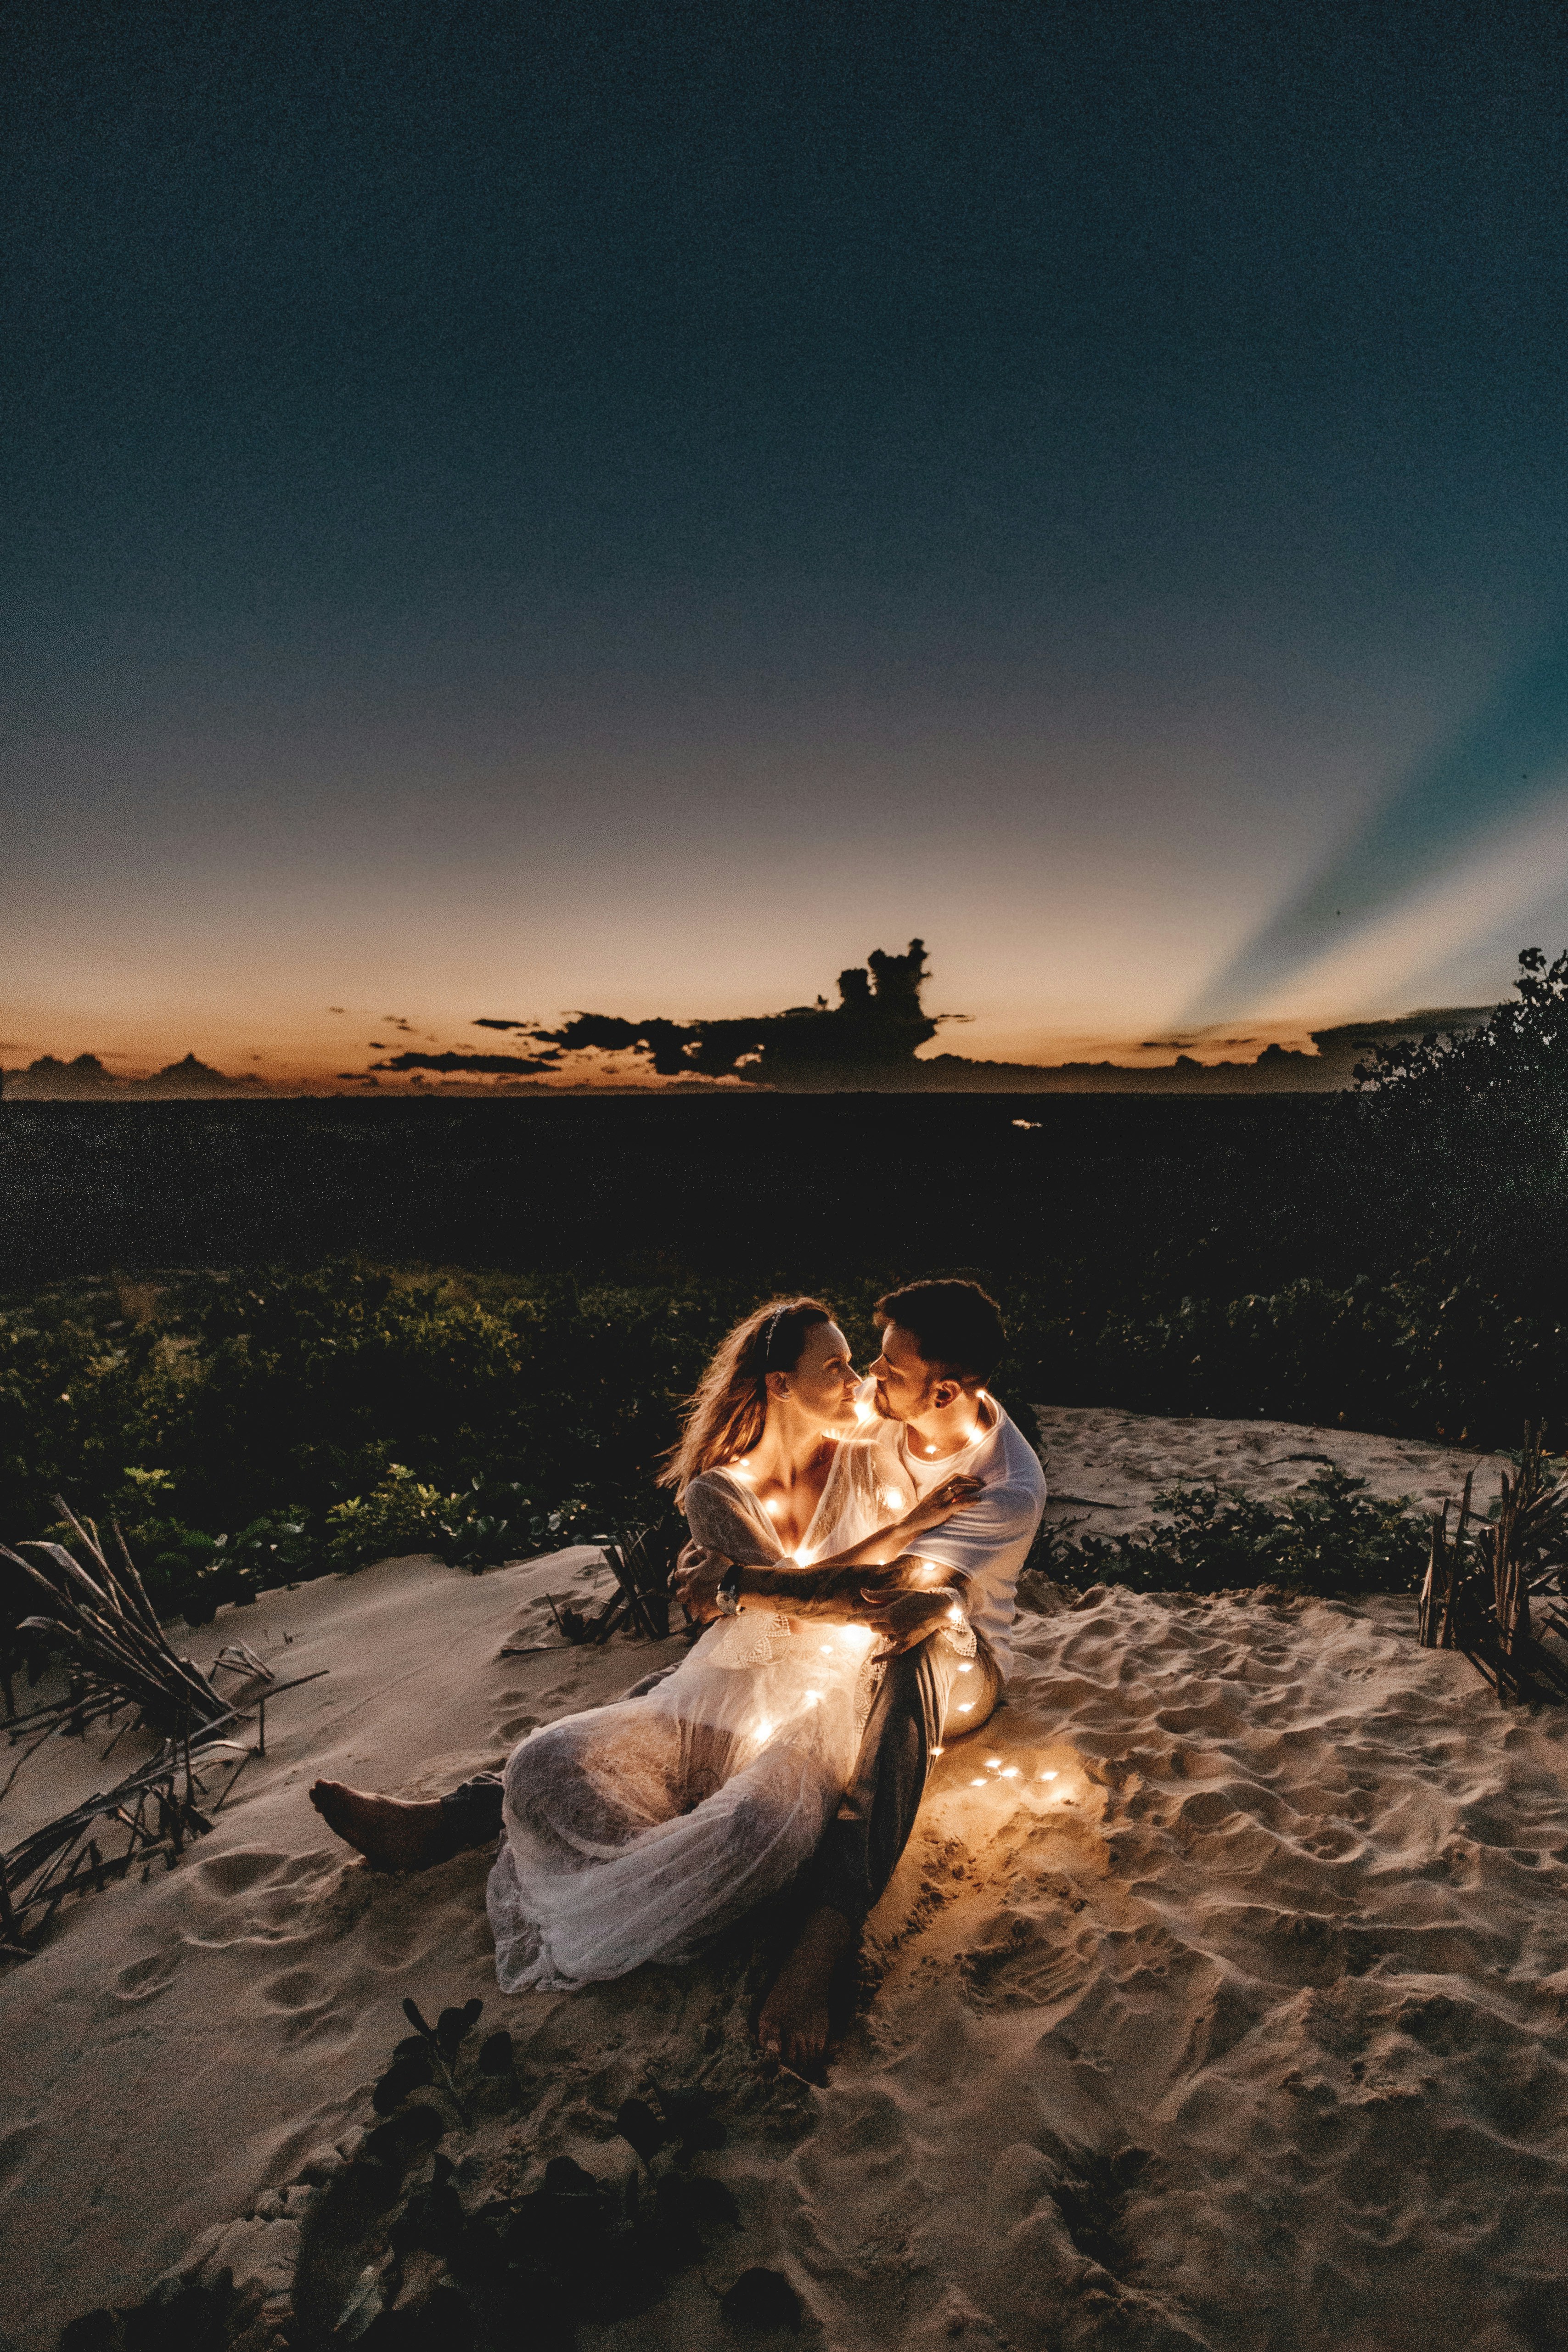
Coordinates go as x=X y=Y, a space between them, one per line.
x=729 y=1403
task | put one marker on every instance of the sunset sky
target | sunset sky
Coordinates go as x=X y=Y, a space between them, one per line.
x=517 y=509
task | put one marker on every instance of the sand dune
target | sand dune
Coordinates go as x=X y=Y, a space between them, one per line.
x=1246 y=2029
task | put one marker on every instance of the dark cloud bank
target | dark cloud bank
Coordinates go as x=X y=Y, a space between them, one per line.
x=867 y=1042
x=870 y=1038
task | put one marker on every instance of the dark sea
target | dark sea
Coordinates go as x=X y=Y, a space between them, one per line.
x=803 y=1186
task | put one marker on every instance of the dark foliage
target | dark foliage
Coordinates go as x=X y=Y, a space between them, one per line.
x=1329 y=1536
x=1459 y=1144
x=761 y=2299
x=574 y=2249
x=483 y=1422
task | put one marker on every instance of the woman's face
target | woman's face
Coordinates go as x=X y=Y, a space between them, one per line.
x=824 y=1381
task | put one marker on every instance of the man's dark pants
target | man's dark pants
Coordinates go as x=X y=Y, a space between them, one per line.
x=923 y=1700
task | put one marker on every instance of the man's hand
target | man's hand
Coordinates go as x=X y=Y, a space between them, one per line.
x=698 y=1576
x=912 y=1618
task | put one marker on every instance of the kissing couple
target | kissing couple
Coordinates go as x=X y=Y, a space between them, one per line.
x=854 y=1557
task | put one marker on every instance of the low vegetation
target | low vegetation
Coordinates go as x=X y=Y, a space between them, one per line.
x=1329 y=1536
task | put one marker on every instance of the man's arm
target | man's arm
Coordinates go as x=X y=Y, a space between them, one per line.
x=840 y=1589
x=835 y=1591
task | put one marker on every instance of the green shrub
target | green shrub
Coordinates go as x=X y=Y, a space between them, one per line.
x=1329 y=1536
x=1426 y=1352
x=402 y=1515
x=477 y=1527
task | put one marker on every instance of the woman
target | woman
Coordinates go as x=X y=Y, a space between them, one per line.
x=636 y=1830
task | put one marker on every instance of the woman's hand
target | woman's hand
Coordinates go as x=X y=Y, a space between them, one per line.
x=698 y=1576
x=951 y=1495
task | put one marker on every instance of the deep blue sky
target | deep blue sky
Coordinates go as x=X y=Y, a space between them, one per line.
x=513 y=508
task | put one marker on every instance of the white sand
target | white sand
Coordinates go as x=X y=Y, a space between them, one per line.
x=1290 y=1921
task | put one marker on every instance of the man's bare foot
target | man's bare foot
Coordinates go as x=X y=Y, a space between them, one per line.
x=391 y=1833
x=793 y=2023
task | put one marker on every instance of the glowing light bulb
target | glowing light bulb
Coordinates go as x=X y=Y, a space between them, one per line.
x=977 y=1784
x=935 y=1753
x=931 y=1451
x=1009 y=1772
x=955 y=1615
x=889 y=1499
x=967 y=1669
x=965 y=1706
x=764 y=1730
x=771 y=1508
x=812 y=1698
x=994 y=1763
x=1047 y=1776
x=827 y=1648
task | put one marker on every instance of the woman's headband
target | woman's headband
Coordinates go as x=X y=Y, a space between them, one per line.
x=774 y=1319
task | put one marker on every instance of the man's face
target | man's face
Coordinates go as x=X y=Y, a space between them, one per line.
x=906 y=1383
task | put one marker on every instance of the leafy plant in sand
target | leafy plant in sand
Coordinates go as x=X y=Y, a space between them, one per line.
x=449 y=2268
x=1329 y=1536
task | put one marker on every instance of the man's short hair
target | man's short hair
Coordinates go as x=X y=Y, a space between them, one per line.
x=956 y=1325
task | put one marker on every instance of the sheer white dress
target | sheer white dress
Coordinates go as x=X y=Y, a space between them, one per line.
x=635 y=1830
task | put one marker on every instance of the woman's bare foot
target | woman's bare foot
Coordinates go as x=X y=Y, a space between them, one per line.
x=391 y=1833
x=793 y=2023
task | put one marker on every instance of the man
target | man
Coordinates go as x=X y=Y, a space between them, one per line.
x=940 y=1342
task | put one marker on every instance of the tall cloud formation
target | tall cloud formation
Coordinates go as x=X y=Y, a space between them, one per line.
x=1506 y=770
x=877 y=1024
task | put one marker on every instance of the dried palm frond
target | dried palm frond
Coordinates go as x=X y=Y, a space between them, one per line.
x=119 y=1657
x=116 y=1652
x=1479 y=1587
x=156 y=1809
x=643 y=1565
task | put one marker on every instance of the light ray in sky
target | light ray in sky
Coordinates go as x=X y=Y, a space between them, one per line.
x=1415 y=848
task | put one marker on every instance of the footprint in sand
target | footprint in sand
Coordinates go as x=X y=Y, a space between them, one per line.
x=15 y=2147
x=142 y=1978
x=305 y=2004
x=238 y=1871
x=296 y=1989
x=516 y=1725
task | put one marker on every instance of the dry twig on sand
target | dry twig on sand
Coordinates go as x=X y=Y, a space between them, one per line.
x=643 y=1566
